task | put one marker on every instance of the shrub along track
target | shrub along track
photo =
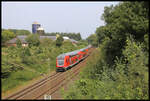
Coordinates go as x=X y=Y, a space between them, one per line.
x=49 y=85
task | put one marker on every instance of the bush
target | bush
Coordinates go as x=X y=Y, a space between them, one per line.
x=18 y=42
x=59 y=41
x=7 y=35
x=33 y=40
x=126 y=79
x=17 y=78
x=46 y=42
x=24 y=54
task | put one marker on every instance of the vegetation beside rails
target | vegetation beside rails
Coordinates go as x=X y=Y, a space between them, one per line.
x=22 y=64
x=126 y=79
x=120 y=69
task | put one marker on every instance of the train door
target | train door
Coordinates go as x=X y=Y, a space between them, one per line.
x=67 y=61
x=70 y=60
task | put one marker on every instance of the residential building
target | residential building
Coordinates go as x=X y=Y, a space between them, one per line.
x=22 y=38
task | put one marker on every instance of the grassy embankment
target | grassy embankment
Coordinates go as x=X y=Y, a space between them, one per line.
x=120 y=69
x=20 y=65
x=126 y=79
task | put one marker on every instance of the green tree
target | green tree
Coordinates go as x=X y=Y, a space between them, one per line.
x=120 y=66
x=7 y=35
x=128 y=18
x=146 y=42
x=18 y=42
x=122 y=20
x=20 y=32
x=24 y=54
x=92 y=39
x=59 y=41
x=46 y=42
x=33 y=40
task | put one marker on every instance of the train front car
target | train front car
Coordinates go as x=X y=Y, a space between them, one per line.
x=67 y=60
x=60 y=63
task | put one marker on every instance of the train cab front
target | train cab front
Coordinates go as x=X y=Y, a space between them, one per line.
x=60 y=65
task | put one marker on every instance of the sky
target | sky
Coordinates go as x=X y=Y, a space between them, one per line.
x=77 y=17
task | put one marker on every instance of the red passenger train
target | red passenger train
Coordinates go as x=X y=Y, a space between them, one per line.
x=67 y=60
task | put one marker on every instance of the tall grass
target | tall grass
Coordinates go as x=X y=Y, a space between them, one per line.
x=17 y=78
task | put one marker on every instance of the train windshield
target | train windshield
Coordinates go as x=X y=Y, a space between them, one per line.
x=60 y=61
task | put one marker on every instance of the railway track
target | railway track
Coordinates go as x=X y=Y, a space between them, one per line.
x=30 y=88
x=60 y=83
x=48 y=85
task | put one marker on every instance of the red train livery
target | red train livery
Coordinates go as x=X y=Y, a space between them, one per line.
x=67 y=60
